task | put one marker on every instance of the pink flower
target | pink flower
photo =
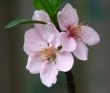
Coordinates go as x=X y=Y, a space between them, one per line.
x=43 y=16
x=73 y=33
x=41 y=44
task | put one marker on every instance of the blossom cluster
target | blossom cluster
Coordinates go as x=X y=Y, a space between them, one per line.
x=50 y=51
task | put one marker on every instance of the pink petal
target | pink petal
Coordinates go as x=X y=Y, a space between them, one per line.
x=48 y=73
x=64 y=61
x=57 y=42
x=89 y=35
x=48 y=33
x=32 y=41
x=67 y=17
x=81 y=51
x=27 y=50
x=41 y=16
x=68 y=43
x=34 y=64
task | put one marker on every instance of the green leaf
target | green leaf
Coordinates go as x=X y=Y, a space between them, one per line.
x=22 y=21
x=50 y=6
x=39 y=4
x=55 y=5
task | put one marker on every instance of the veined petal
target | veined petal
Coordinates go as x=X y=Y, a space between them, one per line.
x=67 y=17
x=34 y=64
x=81 y=51
x=32 y=41
x=68 y=43
x=89 y=35
x=48 y=73
x=48 y=33
x=51 y=33
x=64 y=61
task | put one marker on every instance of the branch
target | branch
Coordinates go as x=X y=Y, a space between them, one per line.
x=70 y=82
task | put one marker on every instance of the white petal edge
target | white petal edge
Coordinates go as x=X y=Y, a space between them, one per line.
x=34 y=64
x=67 y=17
x=64 y=61
x=81 y=51
x=27 y=50
x=68 y=43
x=89 y=35
x=48 y=73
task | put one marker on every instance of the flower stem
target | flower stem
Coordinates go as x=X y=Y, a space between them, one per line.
x=70 y=82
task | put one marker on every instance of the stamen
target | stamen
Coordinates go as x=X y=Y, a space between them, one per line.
x=48 y=53
x=81 y=23
x=74 y=30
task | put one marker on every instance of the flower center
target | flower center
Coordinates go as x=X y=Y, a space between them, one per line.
x=73 y=31
x=48 y=53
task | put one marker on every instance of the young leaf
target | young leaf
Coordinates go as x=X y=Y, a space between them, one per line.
x=55 y=5
x=50 y=6
x=22 y=21
x=39 y=4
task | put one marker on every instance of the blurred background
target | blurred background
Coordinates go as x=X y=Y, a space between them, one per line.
x=92 y=76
